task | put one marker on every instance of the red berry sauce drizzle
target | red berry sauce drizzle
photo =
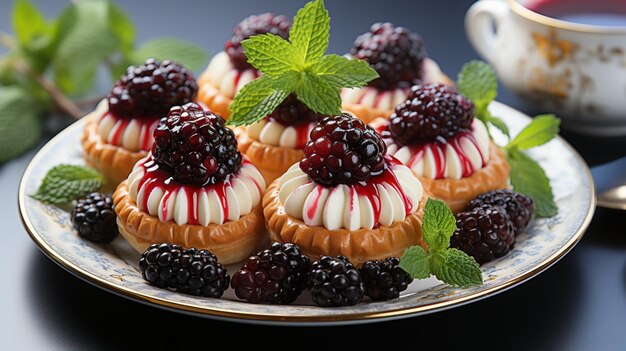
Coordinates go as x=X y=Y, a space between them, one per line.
x=148 y=125
x=438 y=149
x=155 y=177
x=369 y=190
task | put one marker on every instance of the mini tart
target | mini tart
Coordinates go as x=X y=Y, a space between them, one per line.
x=358 y=245
x=114 y=162
x=458 y=192
x=231 y=241
x=368 y=113
x=220 y=82
x=176 y=213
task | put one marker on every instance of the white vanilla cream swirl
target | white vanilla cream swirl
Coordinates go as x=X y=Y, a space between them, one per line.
x=342 y=206
x=277 y=134
x=424 y=159
x=388 y=99
x=225 y=77
x=237 y=196
x=132 y=134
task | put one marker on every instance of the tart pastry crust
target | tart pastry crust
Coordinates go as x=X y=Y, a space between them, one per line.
x=368 y=114
x=358 y=245
x=272 y=161
x=231 y=241
x=113 y=161
x=458 y=192
x=211 y=96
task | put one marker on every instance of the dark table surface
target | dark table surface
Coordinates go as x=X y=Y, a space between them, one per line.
x=579 y=304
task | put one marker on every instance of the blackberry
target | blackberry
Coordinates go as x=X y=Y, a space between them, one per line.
x=151 y=89
x=484 y=233
x=196 y=146
x=94 y=218
x=395 y=53
x=335 y=282
x=343 y=150
x=292 y=112
x=277 y=275
x=254 y=25
x=384 y=280
x=430 y=111
x=518 y=207
x=190 y=271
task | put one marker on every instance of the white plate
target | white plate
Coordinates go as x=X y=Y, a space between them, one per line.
x=114 y=267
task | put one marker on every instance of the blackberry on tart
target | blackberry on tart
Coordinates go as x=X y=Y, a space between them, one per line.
x=193 y=189
x=346 y=196
x=434 y=132
x=399 y=56
x=229 y=70
x=119 y=132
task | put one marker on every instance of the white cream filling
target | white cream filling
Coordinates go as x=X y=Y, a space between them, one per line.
x=426 y=160
x=132 y=134
x=342 y=206
x=387 y=100
x=276 y=134
x=227 y=79
x=236 y=197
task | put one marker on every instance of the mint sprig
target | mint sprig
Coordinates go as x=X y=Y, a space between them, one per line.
x=299 y=66
x=479 y=83
x=451 y=266
x=527 y=176
x=477 y=80
x=65 y=183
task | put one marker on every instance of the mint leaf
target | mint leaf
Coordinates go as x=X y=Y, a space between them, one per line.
x=455 y=268
x=415 y=262
x=439 y=224
x=498 y=123
x=187 y=54
x=85 y=40
x=20 y=122
x=270 y=54
x=310 y=32
x=342 y=72
x=65 y=183
x=258 y=98
x=122 y=28
x=528 y=178
x=319 y=95
x=542 y=129
x=478 y=82
x=28 y=23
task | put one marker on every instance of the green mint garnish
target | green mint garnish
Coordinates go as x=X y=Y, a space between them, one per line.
x=65 y=183
x=527 y=176
x=297 y=65
x=478 y=82
x=449 y=265
x=542 y=129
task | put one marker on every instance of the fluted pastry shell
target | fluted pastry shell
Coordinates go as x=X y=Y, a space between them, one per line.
x=231 y=241
x=271 y=161
x=113 y=161
x=358 y=245
x=212 y=97
x=458 y=192
x=368 y=114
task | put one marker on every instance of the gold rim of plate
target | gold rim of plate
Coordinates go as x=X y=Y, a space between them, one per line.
x=279 y=318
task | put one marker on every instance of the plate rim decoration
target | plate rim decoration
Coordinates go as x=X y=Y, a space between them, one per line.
x=285 y=318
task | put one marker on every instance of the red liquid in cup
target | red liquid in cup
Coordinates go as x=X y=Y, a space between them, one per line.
x=591 y=12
